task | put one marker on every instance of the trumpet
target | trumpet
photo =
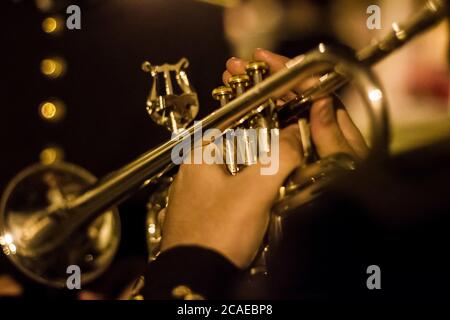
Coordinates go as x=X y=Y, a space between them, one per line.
x=53 y=216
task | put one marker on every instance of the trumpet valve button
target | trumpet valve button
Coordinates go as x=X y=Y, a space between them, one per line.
x=239 y=83
x=242 y=80
x=256 y=70
x=256 y=66
x=222 y=92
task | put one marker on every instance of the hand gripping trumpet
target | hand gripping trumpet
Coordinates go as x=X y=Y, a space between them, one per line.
x=53 y=216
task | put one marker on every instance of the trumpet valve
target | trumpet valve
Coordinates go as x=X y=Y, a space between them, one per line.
x=239 y=83
x=222 y=94
x=256 y=70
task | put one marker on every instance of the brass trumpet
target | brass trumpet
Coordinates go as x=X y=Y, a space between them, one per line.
x=53 y=216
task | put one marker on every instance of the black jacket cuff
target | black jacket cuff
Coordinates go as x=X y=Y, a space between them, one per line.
x=199 y=272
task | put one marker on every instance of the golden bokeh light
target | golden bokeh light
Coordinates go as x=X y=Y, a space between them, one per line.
x=53 y=67
x=48 y=110
x=44 y=5
x=52 y=25
x=52 y=110
x=51 y=155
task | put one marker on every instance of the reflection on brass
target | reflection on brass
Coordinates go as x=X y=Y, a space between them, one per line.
x=137 y=287
x=180 y=292
x=7 y=243
x=185 y=293
x=43 y=222
x=155 y=216
x=194 y=296
x=25 y=230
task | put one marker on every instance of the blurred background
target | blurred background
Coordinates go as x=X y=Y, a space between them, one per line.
x=80 y=94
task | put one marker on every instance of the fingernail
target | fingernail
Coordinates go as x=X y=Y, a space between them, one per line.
x=260 y=51
x=233 y=60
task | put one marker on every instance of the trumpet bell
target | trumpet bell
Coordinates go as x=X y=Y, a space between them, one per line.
x=28 y=206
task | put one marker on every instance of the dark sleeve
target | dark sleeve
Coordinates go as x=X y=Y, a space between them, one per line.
x=190 y=272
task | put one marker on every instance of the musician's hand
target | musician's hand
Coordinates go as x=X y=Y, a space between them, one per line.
x=229 y=214
x=210 y=208
x=332 y=128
